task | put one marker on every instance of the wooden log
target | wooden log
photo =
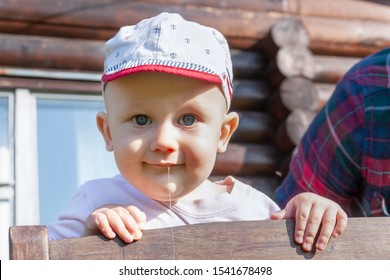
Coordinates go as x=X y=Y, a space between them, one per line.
x=284 y=32
x=249 y=95
x=330 y=69
x=342 y=36
x=39 y=29
x=297 y=123
x=56 y=53
x=343 y=49
x=247 y=160
x=26 y=27
x=247 y=64
x=298 y=94
x=364 y=239
x=247 y=44
x=293 y=93
x=260 y=5
x=69 y=19
x=290 y=61
x=74 y=13
x=254 y=127
x=362 y=10
x=88 y=55
x=240 y=23
x=345 y=37
x=44 y=10
x=65 y=86
x=291 y=131
x=345 y=9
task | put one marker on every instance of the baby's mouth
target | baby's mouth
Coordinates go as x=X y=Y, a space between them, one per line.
x=164 y=164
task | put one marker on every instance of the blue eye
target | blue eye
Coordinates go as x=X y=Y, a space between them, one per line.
x=187 y=120
x=141 y=119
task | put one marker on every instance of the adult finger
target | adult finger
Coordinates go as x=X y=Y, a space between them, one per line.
x=301 y=219
x=312 y=227
x=327 y=228
x=341 y=223
x=278 y=215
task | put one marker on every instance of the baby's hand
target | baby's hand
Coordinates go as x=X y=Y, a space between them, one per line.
x=312 y=212
x=124 y=221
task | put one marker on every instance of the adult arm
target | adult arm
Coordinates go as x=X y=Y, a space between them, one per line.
x=329 y=156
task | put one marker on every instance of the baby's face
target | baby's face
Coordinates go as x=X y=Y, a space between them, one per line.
x=155 y=121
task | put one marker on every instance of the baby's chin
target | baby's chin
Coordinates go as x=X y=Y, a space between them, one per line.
x=171 y=187
x=167 y=192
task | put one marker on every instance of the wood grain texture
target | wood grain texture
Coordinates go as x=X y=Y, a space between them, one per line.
x=331 y=26
x=88 y=55
x=364 y=238
x=28 y=243
x=290 y=61
x=247 y=159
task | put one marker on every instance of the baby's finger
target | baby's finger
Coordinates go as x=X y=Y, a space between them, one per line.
x=130 y=223
x=138 y=216
x=118 y=222
x=103 y=225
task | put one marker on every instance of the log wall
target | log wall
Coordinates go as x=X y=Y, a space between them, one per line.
x=331 y=25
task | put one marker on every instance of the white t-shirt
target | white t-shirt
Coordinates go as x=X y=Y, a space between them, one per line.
x=242 y=203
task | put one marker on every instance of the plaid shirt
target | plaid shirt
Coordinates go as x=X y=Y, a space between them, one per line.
x=345 y=153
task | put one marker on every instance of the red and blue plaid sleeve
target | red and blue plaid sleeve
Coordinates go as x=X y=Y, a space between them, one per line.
x=345 y=153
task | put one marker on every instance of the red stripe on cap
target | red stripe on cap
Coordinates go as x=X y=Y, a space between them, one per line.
x=229 y=87
x=212 y=78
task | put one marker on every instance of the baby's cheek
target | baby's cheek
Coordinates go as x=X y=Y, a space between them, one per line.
x=135 y=145
x=205 y=156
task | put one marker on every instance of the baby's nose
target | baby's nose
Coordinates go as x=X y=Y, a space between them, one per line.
x=165 y=139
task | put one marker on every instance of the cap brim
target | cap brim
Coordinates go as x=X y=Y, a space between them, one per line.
x=209 y=77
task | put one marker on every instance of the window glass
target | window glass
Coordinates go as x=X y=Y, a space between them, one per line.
x=5 y=155
x=70 y=151
x=3 y=121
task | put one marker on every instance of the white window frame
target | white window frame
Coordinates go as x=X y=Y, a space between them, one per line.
x=26 y=159
x=19 y=198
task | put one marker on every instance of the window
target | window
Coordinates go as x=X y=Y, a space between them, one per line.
x=49 y=145
x=70 y=149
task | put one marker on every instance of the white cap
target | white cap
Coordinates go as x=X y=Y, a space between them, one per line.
x=168 y=43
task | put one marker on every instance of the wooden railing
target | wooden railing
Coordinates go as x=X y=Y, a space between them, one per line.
x=364 y=238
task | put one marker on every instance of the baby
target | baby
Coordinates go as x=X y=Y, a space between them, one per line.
x=167 y=90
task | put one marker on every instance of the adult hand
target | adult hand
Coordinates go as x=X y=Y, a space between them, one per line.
x=313 y=213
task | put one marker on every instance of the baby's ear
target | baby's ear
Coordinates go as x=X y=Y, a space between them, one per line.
x=228 y=127
x=104 y=128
